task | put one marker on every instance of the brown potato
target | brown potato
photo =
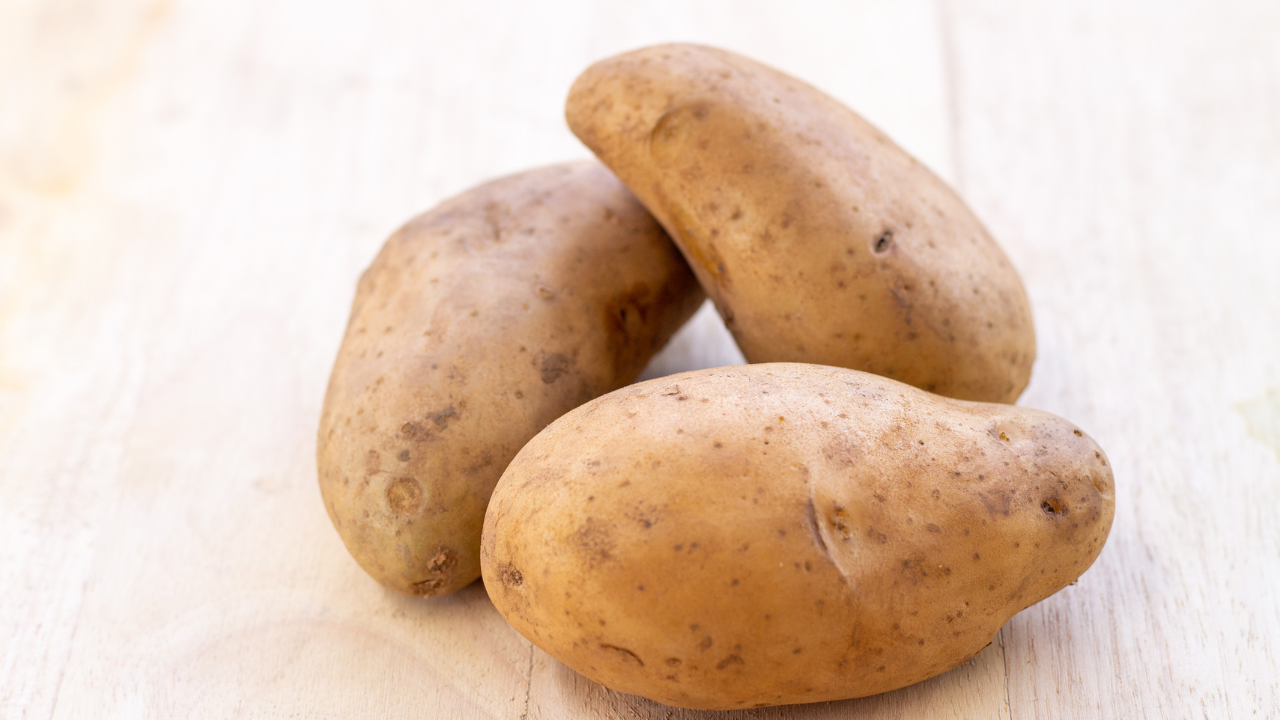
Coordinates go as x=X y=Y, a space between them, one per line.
x=479 y=323
x=785 y=533
x=818 y=239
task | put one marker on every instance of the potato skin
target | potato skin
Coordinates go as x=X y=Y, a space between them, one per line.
x=818 y=238
x=479 y=323
x=786 y=533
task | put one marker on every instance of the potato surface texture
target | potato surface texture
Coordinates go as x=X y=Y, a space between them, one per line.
x=786 y=533
x=479 y=323
x=818 y=238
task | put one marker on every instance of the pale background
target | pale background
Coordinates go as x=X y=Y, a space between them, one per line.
x=189 y=189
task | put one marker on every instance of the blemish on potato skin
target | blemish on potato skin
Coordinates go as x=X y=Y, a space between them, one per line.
x=553 y=367
x=441 y=417
x=414 y=431
x=731 y=659
x=440 y=568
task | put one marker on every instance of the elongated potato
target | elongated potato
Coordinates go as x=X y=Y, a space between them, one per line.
x=479 y=323
x=785 y=533
x=818 y=239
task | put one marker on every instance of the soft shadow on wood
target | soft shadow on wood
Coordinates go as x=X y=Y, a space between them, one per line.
x=975 y=689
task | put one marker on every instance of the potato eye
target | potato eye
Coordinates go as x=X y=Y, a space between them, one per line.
x=883 y=242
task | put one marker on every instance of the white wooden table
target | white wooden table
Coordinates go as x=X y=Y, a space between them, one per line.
x=189 y=189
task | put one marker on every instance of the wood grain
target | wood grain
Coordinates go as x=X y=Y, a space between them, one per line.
x=189 y=189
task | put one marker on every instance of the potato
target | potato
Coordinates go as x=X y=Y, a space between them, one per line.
x=818 y=239
x=479 y=323
x=785 y=533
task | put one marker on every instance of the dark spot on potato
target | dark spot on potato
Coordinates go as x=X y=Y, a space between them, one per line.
x=673 y=662
x=441 y=417
x=597 y=540
x=403 y=456
x=1053 y=506
x=554 y=366
x=705 y=644
x=1078 y=433
x=486 y=459
x=404 y=495
x=731 y=659
x=883 y=243
x=511 y=576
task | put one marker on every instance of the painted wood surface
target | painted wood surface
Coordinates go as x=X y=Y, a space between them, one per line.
x=189 y=190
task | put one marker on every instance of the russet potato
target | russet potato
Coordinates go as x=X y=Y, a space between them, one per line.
x=479 y=323
x=786 y=533
x=818 y=238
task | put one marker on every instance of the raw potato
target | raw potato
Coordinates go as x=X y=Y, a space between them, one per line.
x=479 y=323
x=786 y=533
x=819 y=240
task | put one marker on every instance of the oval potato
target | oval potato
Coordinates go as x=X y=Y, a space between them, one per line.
x=479 y=323
x=818 y=238
x=786 y=533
